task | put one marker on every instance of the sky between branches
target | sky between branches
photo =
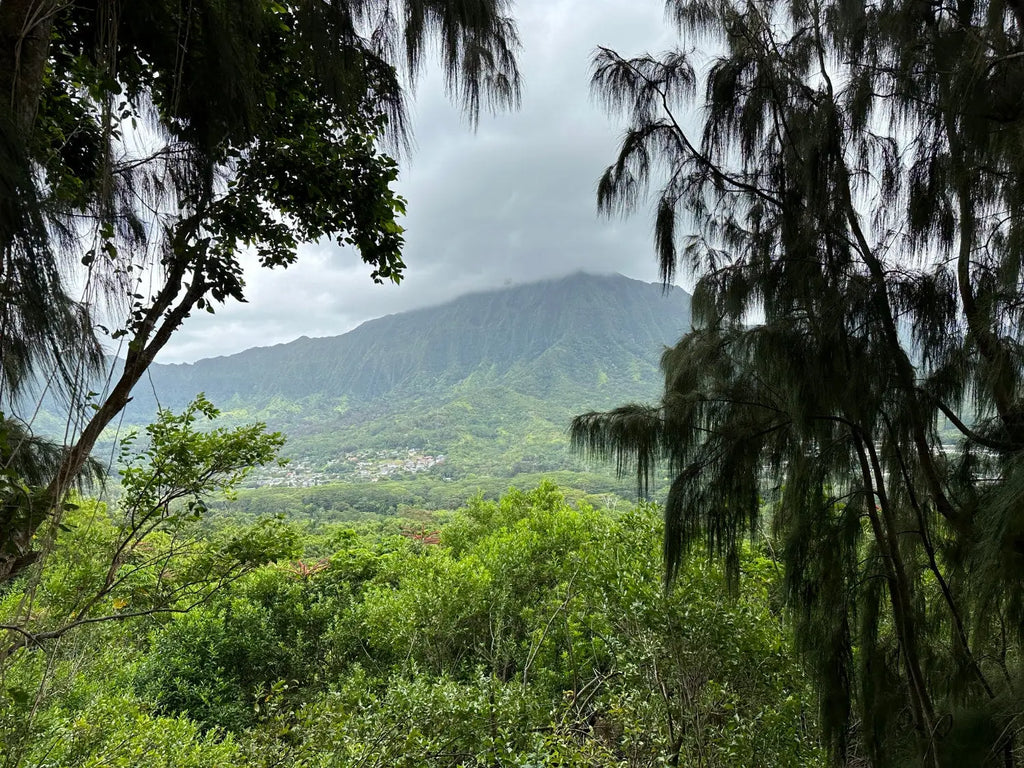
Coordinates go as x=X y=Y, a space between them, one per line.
x=513 y=202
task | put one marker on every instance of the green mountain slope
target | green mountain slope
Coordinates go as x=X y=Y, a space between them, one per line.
x=489 y=380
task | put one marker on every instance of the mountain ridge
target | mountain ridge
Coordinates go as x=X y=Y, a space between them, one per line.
x=490 y=380
x=512 y=331
x=574 y=276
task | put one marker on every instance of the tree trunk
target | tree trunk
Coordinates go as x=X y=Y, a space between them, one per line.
x=162 y=318
x=904 y=622
x=25 y=27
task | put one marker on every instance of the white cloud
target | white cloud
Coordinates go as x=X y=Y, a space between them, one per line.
x=511 y=203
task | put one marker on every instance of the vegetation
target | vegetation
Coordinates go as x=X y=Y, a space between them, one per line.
x=522 y=632
x=404 y=497
x=850 y=205
x=855 y=182
x=146 y=555
x=160 y=141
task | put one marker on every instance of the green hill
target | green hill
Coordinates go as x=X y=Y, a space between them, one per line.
x=487 y=382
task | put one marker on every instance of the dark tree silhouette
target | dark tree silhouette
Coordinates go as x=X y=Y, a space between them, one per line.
x=845 y=183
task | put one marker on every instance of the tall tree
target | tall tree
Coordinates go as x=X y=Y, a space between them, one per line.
x=143 y=146
x=845 y=182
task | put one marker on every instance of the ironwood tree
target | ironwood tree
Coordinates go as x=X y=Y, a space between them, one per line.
x=845 y=183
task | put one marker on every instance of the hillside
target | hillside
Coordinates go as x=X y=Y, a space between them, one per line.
x=488 y=381
x=530 y=335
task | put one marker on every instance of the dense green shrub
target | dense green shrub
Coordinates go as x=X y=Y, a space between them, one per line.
x=522 y=632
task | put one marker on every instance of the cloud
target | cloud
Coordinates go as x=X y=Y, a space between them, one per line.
x=510 y=203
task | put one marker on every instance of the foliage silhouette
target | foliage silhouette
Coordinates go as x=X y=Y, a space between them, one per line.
x=159 y=141
x=849 y=201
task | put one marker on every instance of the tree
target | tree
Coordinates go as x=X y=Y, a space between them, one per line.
x=147 y=556
x=153 y=142
x=118 y=570
x=853 y=199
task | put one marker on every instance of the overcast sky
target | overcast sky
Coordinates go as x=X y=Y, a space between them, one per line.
x=510 y=203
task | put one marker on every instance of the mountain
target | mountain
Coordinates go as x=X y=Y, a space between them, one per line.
x=489 y=380
x=577 y=326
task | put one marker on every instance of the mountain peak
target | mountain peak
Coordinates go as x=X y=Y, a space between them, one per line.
x=564 y=328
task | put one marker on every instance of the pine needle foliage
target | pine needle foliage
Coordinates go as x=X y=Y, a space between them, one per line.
x=844 y=181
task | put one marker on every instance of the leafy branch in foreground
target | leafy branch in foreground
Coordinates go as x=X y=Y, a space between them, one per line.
x=150 y=555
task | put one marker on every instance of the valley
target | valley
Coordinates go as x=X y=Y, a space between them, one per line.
x=368 y=466
x=478 y=391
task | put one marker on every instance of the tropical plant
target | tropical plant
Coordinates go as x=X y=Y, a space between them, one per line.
x=849 y=201
x=533 y=633
x=147 y=554
x=144 y=147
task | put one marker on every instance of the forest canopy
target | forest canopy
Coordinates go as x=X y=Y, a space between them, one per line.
x=525 y=631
